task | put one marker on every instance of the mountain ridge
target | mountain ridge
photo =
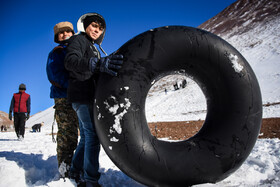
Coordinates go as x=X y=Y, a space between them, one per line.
x=242 y=16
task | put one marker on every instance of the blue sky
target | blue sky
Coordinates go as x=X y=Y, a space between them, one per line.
x=27 y=34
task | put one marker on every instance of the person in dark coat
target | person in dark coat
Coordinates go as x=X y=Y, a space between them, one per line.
x=20 y=105
x=184 y=83
x=84 y=62
x=37 y=127
x=176 y=86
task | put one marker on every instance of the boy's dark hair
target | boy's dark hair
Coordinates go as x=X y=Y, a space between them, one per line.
x=22 y=87
x=89 y=19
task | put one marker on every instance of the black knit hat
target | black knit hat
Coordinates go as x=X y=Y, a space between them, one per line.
x=94 y=18
x=22 y=87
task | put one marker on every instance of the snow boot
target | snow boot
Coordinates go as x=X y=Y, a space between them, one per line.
x=78 y=179
x=20 y=137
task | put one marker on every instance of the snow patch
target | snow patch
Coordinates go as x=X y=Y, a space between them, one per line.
x=118 y=117
x=114 y=109
x=99 y=116
x=125 y=88
x=63 y=168
x=234 y=60
x=114 y=139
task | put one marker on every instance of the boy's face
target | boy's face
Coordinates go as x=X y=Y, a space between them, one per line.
x=64 y=34
x=94 y=30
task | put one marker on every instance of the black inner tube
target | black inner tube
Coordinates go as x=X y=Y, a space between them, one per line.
x=234 y=108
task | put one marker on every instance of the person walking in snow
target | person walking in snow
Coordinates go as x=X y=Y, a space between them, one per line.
x=20 y=105
x=84 y=62
x=65 y=116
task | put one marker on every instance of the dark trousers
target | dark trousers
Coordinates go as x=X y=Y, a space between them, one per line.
x=19 y=123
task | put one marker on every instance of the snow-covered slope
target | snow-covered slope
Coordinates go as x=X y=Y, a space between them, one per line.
x=261 y=47
x=242 y=16
x=253 y=28
x=46 y=116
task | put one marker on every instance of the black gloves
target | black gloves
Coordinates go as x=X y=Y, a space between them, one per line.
x=27 y=116
x=108 y=64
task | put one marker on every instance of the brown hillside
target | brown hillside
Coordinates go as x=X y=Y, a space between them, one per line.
x=186 y=129
x=4 y=119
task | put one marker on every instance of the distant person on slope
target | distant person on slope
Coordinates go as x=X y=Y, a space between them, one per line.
x=66 y=118
x=37 y=127
x=84 y=62
x=20 y=105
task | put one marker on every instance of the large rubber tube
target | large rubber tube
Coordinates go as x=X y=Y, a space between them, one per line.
x=234 y=108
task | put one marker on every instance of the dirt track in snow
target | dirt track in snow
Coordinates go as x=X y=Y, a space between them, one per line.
x=183 y=130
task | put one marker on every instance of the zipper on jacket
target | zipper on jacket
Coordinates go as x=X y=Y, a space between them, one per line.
x=19 y=101
x=96 y=50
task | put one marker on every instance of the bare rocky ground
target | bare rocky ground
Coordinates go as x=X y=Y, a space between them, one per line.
x=185 y=129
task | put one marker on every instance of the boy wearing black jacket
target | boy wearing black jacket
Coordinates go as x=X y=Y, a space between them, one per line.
x=84 y=62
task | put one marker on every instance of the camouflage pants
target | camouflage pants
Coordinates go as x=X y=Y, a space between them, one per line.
x=67 y=134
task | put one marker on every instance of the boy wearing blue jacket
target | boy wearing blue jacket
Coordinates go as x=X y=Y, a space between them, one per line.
x=65 y=116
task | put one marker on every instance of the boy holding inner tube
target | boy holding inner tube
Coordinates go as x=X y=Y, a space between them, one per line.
x=84 y=63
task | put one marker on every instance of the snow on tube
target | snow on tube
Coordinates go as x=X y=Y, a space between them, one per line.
x=234 y=108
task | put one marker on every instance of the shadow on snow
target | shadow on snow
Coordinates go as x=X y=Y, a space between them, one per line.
x=37 y=170
x=40 y=172
x=8 y=140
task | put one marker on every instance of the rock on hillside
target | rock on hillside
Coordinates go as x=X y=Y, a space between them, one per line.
x=4 y=119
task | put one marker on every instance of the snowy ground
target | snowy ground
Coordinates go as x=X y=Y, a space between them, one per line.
x=32 y=162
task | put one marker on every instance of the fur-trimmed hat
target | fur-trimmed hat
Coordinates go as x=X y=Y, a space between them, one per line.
x=61 y=27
